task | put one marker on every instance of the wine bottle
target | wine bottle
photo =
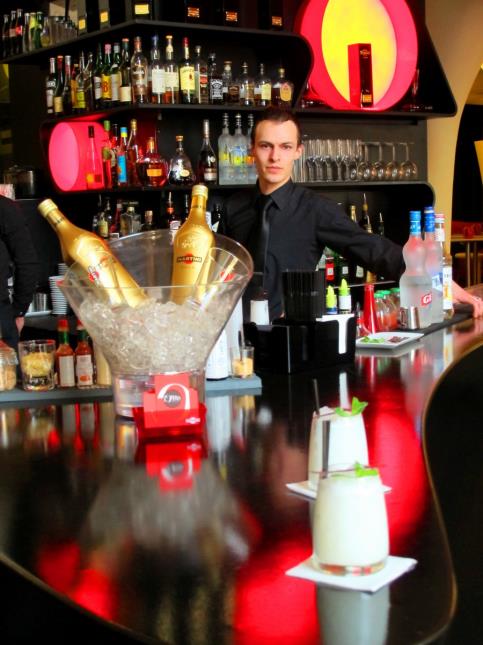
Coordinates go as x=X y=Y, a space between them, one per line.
x=125 y=91
x=106 y=77
x=215 y=81
x=247 y=87
x=171 y=76
x=80 y=94
x=202 y=93
x=115 y=76
x=158 y=87
x=207 y=166
x=139 y=73
x=98 y=78
x=186 y=75
x=94 y=256
x=66 y=90
x=192 y=242
x=50 y=84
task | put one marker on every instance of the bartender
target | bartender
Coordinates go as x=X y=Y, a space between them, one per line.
x=286 y=226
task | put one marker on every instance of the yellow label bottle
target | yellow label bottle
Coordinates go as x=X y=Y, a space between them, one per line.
x=95 y=256
x=192 y=242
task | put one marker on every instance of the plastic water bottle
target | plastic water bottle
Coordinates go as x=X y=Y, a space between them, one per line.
x=434 y=265
x=415 y=284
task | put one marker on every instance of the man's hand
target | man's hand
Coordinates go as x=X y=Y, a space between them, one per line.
x=462 y=296
x=20 y=321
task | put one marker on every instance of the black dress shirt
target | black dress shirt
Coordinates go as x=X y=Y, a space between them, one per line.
x=302 y=223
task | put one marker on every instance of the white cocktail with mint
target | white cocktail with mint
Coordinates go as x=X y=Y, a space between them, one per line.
x=350 y=530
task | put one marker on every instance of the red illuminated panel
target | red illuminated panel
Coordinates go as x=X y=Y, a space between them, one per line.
x=68 y=147
x=331 y=26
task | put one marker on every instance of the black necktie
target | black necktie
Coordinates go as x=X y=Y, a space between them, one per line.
x=265 y=202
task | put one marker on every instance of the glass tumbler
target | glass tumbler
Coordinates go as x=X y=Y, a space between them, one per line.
x=37 y=364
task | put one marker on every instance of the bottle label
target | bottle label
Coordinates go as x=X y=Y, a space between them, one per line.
x=80 y=99
x=216 y=89
x=359 y=271
x=426 y=299
x=193 y=13
x=447 y=287
x=58 y=105
x=49 y=98
x=115 y=86
x=121 y=169
x=171 y=80
x=439 y=234
x=233 y=93
x=154 y=172
x=97 y=88
x=187 y=78
x=139 y=82
x=238 y=156
x=66 y=371
x=141 y=9
x=210 y=174
x=106 y=87
x=286 y=92
x=84 y=369
x=266 y=92
x=125 y=95
x=158 y=84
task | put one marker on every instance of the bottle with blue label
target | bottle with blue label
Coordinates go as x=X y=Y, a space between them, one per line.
x=434 y=265
x=121 y=159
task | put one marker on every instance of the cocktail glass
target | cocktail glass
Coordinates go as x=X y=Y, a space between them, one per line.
x=350 y=529
x=173 y=330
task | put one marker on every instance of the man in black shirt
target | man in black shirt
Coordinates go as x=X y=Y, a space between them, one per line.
x=16 y=252
x=286 y=227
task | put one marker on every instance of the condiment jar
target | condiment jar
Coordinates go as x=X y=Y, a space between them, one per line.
x=8 y=369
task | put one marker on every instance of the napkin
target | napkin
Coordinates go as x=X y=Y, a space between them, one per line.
x=303 y=488
x=394 y=568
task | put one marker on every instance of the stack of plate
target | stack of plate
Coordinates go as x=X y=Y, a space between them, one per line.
x=59 y=303
x=62 y=268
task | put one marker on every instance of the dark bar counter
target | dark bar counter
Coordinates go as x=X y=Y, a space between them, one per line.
x=108 y=536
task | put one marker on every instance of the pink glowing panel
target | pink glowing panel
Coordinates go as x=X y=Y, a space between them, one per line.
x=68 y=153
x=387 y=24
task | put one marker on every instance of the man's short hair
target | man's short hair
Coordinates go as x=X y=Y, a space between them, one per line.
x=278 y=115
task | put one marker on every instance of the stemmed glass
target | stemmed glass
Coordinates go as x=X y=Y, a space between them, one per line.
x=320 y=159
x=310 y=160
x=391 y=171
x=364 y=167
x=340 y=153
x=408 y=170
x=329 y=158
x=378 y=167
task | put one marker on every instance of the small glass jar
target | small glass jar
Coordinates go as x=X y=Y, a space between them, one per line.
x=8 y=367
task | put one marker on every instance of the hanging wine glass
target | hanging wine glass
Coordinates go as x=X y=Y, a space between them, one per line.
x=378 y=167
x=364 y=167
x=408 y=169
x=320 y=159
x=330 y=153
x=391 y=172
x=310 y=160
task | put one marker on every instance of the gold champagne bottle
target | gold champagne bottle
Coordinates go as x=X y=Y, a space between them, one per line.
x=192 y=242
x=95 y=256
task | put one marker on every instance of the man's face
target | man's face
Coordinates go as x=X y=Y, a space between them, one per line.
x=274 y=150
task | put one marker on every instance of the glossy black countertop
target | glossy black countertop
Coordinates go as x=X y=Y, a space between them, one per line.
x=188 y=541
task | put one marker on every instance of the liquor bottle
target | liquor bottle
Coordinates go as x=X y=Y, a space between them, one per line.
x=356 y=272
x=192 y=242
x=202 y=93
x=58 y=94
x=106 y=77
x=50 y=85
x=66 y=90
x=89 y=83
x=282 y=90
x=106 y=156
x=94 y=178
x=11 y=33
x=96 y=217
x=228 y=13
x=6 y=36
x=216 y=217
x=148 y=222
x=98 y=78
x=94 y=256
x=186 y=75
x=139 y=73
x=102 y=225
x=271 y=14
x=341 y=268
x=173 y=220
x=125 y=91
x=180 y=168
x=225 y=145
x=447 y=274
x=80 y=95
x=239 y=153
x=130 y=221
x=158 y=87
x=207 y=165
x=108 y=216
x=134 y=154
x=365 y=222
x=113 y=148
x=247 y=87
x=116 y=220
x=251 y=167
x=73 y=85
x=151 y=168
x=19 y=31
x=263 y=87
x=121 y=157
x=215 y=81
x=25 y=33
x=433 y=265
x=415 y=282
x=171 y=76
x=115 y=76
x=64 y=356
x=186 y=209
x=84 y=362
x=380 y=225
x=226 y=77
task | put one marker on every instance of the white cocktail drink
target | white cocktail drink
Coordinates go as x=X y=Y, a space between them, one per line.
x=350 y=531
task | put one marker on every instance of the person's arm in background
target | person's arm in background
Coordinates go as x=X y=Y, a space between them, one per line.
x=22 y=253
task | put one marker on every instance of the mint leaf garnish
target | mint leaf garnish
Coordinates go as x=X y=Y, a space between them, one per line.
x=358 y=407
x=362 y=471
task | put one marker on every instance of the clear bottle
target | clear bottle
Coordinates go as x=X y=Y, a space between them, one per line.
x=94 y=178
x=102 y=225
x=282 y=90
x=180 y=168
x=434 y=265
x=158 y=87
x=139 y=73
x=186 y=75
x=98 y=78
x=133 y=155
x=415 y=283
x=447 y=267
x=365 y=221
x=239 y=153
x=106 y=77
x=50 y=85
x=207 y=165
x=263 y=87
x=382 y=312
x=225 y=145
x=151 y=168
x=171 y=75
x=125 y=91
x=215 y=81
x=115 y=76
x=247 y=87
x=173 y=220
x=251 y=166
x=392 y=307
x=148 y=222
x=231 y=88
x=202 y=92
